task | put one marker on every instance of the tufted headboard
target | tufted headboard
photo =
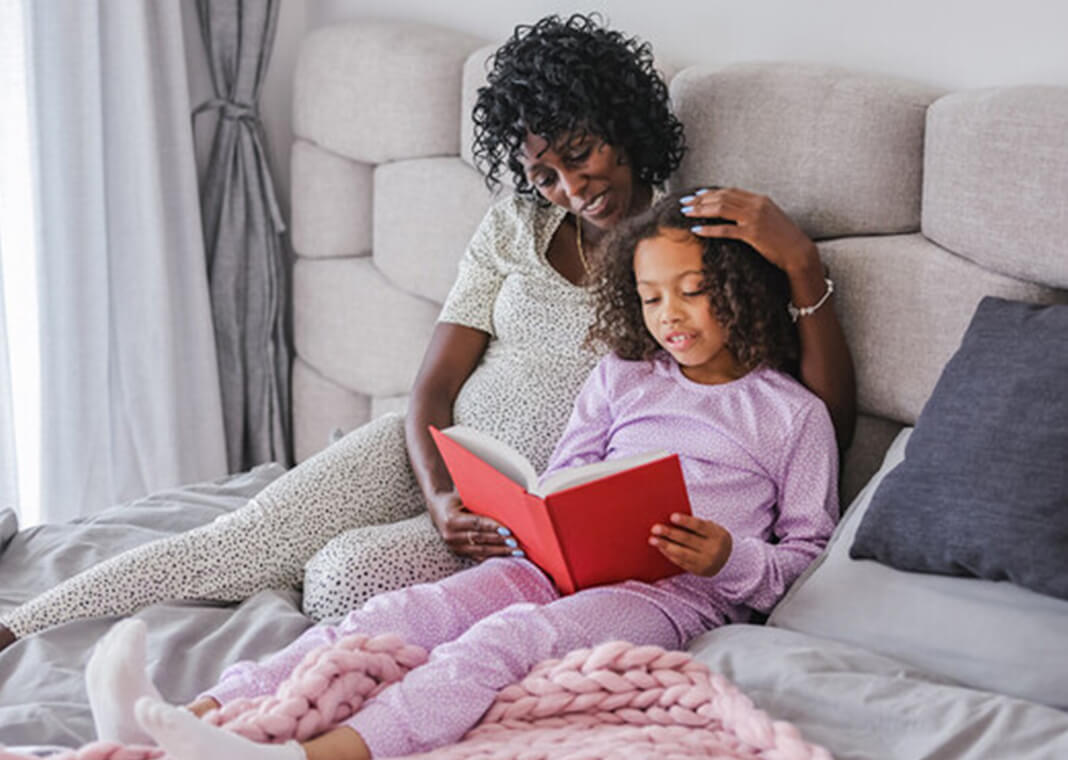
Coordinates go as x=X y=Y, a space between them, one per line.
x=921 y=202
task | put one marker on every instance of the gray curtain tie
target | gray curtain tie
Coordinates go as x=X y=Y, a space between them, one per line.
x=231 y=109
x=244 y=113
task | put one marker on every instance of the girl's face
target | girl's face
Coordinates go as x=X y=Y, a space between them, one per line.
x=584 y=175
x=677 y=313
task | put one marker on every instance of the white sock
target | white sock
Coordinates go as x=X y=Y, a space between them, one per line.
x=186 y=737
x=116 y=677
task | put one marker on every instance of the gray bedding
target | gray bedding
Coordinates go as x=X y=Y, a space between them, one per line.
x=858 y=704
x=42 y=695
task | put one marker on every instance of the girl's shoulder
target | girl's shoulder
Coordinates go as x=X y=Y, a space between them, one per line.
x=618 y=375
x=796 y=405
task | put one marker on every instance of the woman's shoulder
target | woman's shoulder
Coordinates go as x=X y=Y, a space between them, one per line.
x=517 y=224
x=524 y=210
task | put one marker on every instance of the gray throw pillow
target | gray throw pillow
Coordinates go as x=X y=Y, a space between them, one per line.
x=983 y=489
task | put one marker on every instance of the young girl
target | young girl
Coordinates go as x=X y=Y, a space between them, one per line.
x=700 y=336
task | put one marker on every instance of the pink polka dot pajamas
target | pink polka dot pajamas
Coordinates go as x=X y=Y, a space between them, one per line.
x=759 y=457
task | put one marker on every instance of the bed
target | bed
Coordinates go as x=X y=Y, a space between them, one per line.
x=923 y=203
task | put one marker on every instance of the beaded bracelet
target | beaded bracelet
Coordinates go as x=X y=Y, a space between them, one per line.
x=803 y=311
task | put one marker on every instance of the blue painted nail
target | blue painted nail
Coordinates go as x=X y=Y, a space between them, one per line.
x=511 y=542
x=695 y=228
x=504 y=531
x=518 y=553
x=687 y=209
x=688 y=199
x=703 y=190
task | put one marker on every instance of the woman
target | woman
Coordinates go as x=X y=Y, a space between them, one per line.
x=580 y=118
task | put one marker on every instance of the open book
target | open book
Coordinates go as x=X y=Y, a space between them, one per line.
x=584 y=526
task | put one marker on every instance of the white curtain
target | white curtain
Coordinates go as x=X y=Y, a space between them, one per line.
x=130 y=389
x=9 y=491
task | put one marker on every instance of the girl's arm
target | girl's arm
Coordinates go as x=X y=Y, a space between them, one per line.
x=826 y=365
x=585 y=436
x=451 y=357
x=749 y=570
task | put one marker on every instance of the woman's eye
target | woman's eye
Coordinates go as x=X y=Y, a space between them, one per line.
x=649 y=300
x=578 y=158
x=544 y=180
x=693 y=293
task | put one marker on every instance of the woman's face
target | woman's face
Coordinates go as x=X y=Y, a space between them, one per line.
x=584 y=175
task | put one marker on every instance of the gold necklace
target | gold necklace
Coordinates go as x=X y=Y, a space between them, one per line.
x=581 y=253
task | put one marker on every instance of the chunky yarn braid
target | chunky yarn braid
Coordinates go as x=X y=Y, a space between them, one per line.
x=619 y=700
x=329 y=685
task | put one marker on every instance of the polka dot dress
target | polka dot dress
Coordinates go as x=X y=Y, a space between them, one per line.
x=351 y=522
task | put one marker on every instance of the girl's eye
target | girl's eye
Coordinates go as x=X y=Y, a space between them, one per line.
x=649 y=300
x=694 y=293
x=544 y=180
x=578 y=158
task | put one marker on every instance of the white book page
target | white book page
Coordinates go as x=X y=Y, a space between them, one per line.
x=586 y=473
x=499 y=455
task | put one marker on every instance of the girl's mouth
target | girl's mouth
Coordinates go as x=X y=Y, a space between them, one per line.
x=679 y=341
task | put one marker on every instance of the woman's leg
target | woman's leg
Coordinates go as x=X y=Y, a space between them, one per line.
x=438 y=702
x=364 y=562
x=363 y=479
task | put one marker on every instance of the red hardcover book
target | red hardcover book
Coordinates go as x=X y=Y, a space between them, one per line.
x=584 y=526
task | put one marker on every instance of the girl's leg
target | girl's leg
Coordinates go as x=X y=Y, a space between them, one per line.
x=427 y=615
x=437 y=703
x=363 y=479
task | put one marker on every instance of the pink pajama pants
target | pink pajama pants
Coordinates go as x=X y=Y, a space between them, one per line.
x=485 y=628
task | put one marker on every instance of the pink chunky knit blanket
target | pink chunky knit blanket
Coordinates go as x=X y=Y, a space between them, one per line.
x=617 y=700
x=625 y=701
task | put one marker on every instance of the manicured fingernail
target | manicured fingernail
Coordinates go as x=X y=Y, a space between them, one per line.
x=518 y=553
x=703 y=190
x=504 y=531
x=687 y=209
x=695 y=228
x=511 y=542
x=688 y=199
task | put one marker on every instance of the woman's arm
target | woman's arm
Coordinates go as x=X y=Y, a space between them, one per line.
x=451 y=357
x=826 y=365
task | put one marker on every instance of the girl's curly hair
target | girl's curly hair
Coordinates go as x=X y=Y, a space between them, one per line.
x=747 y=293
x=560 y=78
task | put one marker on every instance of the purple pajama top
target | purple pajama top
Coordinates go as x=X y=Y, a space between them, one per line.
x=758 y=455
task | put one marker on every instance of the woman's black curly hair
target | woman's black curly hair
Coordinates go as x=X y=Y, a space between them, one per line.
x=748 y=294
x=560 y=78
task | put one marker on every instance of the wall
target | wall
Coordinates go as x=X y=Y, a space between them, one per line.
x=956 y=44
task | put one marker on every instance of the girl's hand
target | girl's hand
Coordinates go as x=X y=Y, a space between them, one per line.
x=701 y=547
x=468 y=534
x=203 y=706
x=757 y=221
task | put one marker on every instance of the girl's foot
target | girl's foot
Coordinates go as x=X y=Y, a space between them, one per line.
x=116 y=677
x=185 y=737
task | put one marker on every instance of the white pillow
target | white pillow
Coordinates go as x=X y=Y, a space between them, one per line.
x=989 y=635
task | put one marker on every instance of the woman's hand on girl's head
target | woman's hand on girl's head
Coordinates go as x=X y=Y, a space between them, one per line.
x=757 y=221
x=701 y=547
x=468 y=534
